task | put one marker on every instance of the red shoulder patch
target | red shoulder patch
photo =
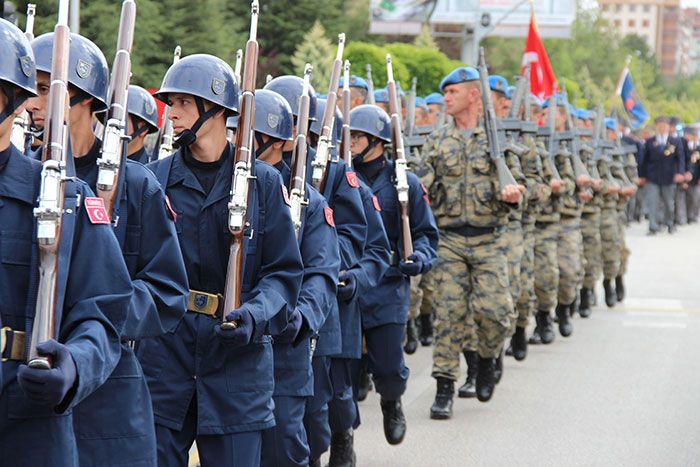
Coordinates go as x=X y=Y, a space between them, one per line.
x=329 y=216
x=96 y=211
x=352 y=179
x=171 y=211
x=426 y=200
x=375 y=201
x=285 y=195
x=424 y=190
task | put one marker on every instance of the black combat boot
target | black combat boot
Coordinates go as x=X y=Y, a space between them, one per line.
x=468 y=389
x=535 y=338
x=411 y=337
x=565 y=326
x=426 y=329
x=592 y=299
x=486 y=379
x=365 y=382
x=610 y=298
x=442 y=407
x=394 y=421
x=544 y=324
x=498 y=372
x=585 y=303
x=342 y=453
x=574 y=307
x=619 y=289
x=518 y=344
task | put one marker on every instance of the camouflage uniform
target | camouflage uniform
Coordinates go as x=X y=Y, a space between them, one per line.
x=590 y=231
x=609 y=229
x=471 y=278
x=630 y=167
x=421 y=302
x=570 y=243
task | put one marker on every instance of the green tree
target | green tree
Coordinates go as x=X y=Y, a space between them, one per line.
x=317 y=50
x=425 y=39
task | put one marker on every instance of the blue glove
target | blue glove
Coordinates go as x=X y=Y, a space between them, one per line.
x=49 y=387
x=414 y=268
x=346 y=291
x=242 y=334
x=291 y=330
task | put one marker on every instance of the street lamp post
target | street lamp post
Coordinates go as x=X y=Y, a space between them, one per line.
x=482 y=27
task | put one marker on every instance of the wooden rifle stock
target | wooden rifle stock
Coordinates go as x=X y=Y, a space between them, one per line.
x=297 y=183
x=345 y=110
x=400 y=165
x=20 y=125
x=49 y=213
x=320 y=162
x=240 y=185
x=165 y=135
x=115 y=135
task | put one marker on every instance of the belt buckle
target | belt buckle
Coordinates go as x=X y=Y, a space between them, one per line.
x=3 y=341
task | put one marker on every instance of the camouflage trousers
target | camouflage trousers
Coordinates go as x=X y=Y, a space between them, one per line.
x=526 y=301
x=624 y=251
x=422 y=290
x=590 y=231
x=610 y=240
x=513 y=249
x=546 y=268
x=569 y=258
x=472 y=303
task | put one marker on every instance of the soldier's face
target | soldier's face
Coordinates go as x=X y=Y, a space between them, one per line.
x=610 y=134
x=183 y=111
x=359 y=142
x=36 y=106
x=458 y=98
x=535 y=113
x=662 y=128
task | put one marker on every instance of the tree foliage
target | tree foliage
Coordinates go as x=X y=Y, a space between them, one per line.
x=317 y=50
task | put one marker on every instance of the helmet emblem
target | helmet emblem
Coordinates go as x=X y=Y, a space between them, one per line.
x=83 y=68
x=273 y=120
x=148 y=107
x=217 y=86
x=353 y=79
x=463 y=75
x=27 y=65
x=380 y=125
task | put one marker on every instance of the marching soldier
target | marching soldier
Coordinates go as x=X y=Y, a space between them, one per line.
x=211 y=384
x=145 y=229
x=435 y=104
x=358 y=91
x=91 y=295
x=693 y=200
x=143 y=121
x=470 y=210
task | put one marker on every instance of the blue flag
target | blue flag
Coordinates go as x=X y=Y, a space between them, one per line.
x=632 y=103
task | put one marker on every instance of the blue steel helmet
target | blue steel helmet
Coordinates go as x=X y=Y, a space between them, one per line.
x=434 y=98
x=459 y=75
x=610 y=123
x=87 y=66
x=142 y=105
x=232 y=122
x=338 y=127
x=18 y=68
x=499 y=84
x=315 y=126
x=291 y=87
x=273 y=115
x=372 y=120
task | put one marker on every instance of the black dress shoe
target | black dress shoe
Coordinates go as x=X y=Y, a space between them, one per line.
x=365 y=382
x=585 y=304
x=519 y=344
x=565 y=326
x=342 y=452
x=426 y=330
x=486 y=380
x=544 y=323
x=394 y=421
x=442 y=407
x=468 y=389
x=610 y=297
x=411 y=337
x=619 y=289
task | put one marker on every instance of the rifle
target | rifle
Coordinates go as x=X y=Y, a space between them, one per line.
x=504 y=176
x=49 y=213
x=237 y=68
x=522 y=91
x=110 y=161
x=370 y=85
x=240 y=183
x=596 y=140
x=297 y=184
x=578 y=165
x=165 y=136
x=547 y=132
x=400 y=165
x=320 y=162
x=411 y=109
x=345 y=110
x=20 y=125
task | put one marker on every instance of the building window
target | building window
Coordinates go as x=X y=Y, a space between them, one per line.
x=617 y=23
x=605 y=7
x=645 y=23
x=647 y=8
x=631 y=23
x=633 y=8
x=618 y=8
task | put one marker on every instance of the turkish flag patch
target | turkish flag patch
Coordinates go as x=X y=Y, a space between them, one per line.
x=375 y=201
x=285 y=195
x=170 y=209
x=352 y=179
x=329 y=216
x=96 y=211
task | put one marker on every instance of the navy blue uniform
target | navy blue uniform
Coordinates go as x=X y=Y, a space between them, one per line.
x=201 y=388
x=384 y=307
x=141 y=156
x=146 y=234
x=656 y=166
x=286 y=444
x=95 y=284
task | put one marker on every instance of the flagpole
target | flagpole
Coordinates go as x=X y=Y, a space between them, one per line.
x=620 y=81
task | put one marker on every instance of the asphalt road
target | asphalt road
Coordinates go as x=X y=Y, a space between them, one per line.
x=624 y=389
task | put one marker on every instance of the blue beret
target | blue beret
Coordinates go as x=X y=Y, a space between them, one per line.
x=610 y=124
x=572 y=110
x=434 y=98
x=355 y=82
x=381 y=95
x=559 y=100
x=592 y=114
x=499 y=83
x=582 y=114
x=420 y=102
x=535 y=100
x=511 y=91
x=459 y=75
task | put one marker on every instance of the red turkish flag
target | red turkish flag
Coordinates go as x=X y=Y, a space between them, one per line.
x=541 y=75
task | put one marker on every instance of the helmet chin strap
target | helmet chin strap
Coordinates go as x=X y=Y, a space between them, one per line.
x=189 y=136
x=12 y=102
x=262 y=146
x=373 y=141
x=139 y=131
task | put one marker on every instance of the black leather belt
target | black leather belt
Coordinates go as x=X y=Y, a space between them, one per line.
x=471 y=231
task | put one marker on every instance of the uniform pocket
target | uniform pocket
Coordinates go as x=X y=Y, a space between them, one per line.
x=15 y=248
x=250 y=368
x=132 y=247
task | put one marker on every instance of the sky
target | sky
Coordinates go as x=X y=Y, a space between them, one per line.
x=687 y=3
